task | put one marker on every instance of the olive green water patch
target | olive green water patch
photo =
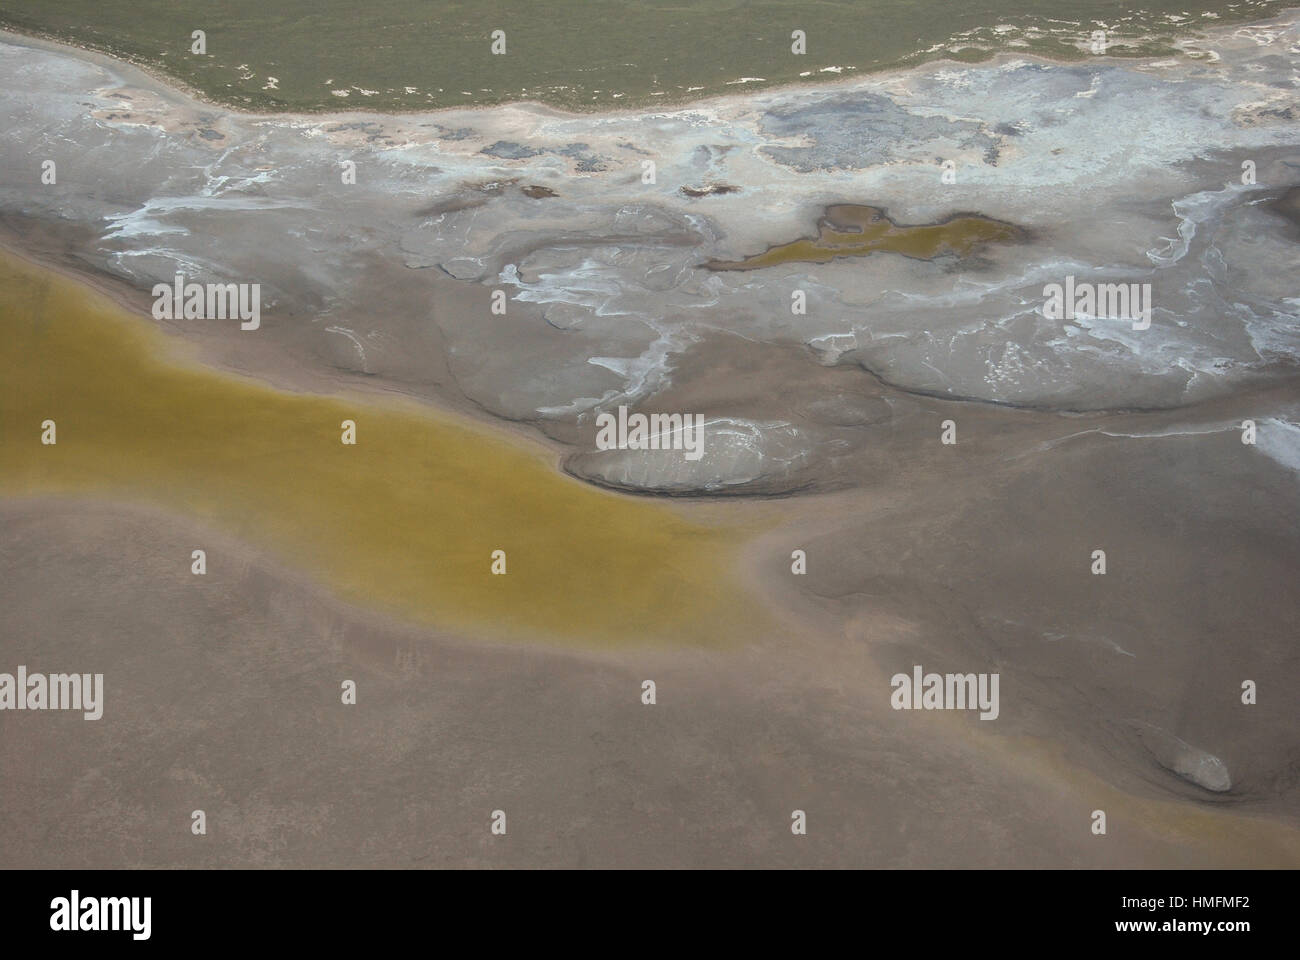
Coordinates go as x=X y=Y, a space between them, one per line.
x=405 y=520
x=402 y=55
x=855 y=230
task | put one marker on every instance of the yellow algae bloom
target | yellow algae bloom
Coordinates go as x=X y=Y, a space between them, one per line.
x=405 y=521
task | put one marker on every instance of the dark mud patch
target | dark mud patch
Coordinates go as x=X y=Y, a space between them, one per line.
x=1287 y=206
x=710 y=190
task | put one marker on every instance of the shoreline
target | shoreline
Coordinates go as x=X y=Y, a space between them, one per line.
x=171 y=84
x=300 y=381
